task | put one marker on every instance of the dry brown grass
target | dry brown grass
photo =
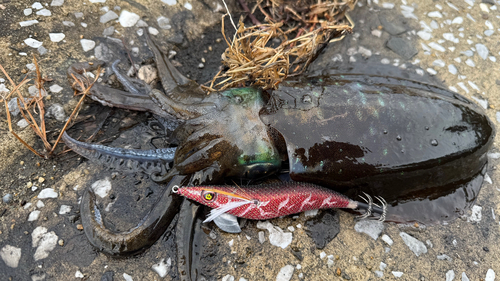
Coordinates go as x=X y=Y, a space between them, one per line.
x=33 y=110
x=250 y=60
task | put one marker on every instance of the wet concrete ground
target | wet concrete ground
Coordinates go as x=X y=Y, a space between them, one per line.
x=53 y=247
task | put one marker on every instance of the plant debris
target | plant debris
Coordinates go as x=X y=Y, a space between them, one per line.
x=33 y=109
x=251 y=60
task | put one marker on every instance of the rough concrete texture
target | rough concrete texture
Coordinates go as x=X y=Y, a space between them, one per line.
x=467 y=61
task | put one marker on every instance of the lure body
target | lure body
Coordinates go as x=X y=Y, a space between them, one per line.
x=265 y=201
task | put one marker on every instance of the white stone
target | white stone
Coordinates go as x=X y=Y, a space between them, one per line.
x=10 y=255
x=68 y=23
x=163 y=22
x=277 y=236
x=473 y=85
x=437 y=47
x=97 y=1
x=153 y=31
x=322 y=255
x=449 y=37
x=169 y=2
x=56 y=37
x=439 y=63
x=450 y=275
x=57 y=3
x=33 y=43
x=65 y=209
x=28 y=23
x=387 y=239
x=102 y=187
x=492 y=58
x=483 y=103
x=188 y=6
x=382 y=266
x=464 y=277
x=39 y=203
x=482 y=51
x=37 y=5
x=490 y=275
x=425 y=47
x=470 y=63
x=369 y=227
x=87 y=44
x=377 y=32
x=262 y=237
x=452 y=69
x=386 y=5
x=452 y=6
x=285 y=273
x=127 y=277
x=434 y=24
x=489 y=25
x=435 y=14
x=484 y=7
x=55 y=88
x=109 y=16
x=79 y=274
x=462 y=85
x=44 y=241
x=57 y=111
x=162 y=268
x=476 y=215
x=44 y=12
x=431 y=71
x=47 y=193
x=415 y=245
x=458 y=20
x=444 y=257
x=28 y=11
x=424 y=35
x=397 y=274
x=425 y=27
x=83 y=24
x=34 y=215
x=128 y=19
x=378 y=273
x=22 y=124
x=489 y=32
x=364 y=52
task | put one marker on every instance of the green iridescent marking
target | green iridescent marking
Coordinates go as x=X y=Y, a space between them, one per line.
x=403 y=106
x=359 y=114
x=321 y=163
x=381 y=101
x=340 y=171
x=359 y=85
x=345 y=91
x=363 y=97
x=321 y=80
x=385 y=151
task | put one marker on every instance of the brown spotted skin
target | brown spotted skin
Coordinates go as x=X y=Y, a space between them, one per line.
x=269 y=201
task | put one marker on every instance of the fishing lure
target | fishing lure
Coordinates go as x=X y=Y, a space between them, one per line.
x=261 y=202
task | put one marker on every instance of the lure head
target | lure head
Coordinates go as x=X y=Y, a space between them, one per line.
x=207 y=196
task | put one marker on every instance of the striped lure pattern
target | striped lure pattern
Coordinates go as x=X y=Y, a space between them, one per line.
x=265 y=201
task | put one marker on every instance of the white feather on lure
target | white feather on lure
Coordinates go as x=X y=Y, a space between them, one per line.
x=225 y=208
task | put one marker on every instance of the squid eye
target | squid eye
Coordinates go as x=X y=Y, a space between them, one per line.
x=209 y=196
x=238 y=99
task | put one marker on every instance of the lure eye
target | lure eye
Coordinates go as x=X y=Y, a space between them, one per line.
x=209 y=196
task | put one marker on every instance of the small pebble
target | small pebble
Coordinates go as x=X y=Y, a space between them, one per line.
x=79 y=274
x=450 y=275
x=128 y=19
x=397 y=274
x=490 y=275
x=33 y=216
x=87 y=44
x=416 y=246
x=7 y=198
x=33 y=43
x=10 y=255
x=44 y=12
x=162 y=268
x=285 y=273
x=60 y=242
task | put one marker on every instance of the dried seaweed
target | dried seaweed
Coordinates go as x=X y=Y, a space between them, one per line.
x=251 y=60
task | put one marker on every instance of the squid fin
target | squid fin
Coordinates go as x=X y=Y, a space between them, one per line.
x=223 y=209
x=228 y=223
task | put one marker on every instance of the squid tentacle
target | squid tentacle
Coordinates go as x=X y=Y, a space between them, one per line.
x=140 y=237
x=153 y=161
